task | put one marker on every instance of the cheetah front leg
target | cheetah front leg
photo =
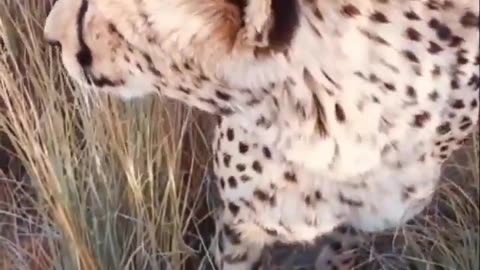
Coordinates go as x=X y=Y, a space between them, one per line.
x=228 y=250
x=232 y=254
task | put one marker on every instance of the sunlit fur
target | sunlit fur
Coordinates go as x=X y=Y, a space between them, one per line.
x=362 y=101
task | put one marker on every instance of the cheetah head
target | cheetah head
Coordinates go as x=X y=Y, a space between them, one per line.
x=184 y=49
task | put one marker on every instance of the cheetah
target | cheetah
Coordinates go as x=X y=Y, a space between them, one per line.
x=340 y=113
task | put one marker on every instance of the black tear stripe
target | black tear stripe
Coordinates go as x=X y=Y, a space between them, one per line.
x=84 y=55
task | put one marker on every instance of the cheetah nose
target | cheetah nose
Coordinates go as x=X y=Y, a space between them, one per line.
x=52 y=38
x=52 y=34
x=61 y=19
x=54 y=43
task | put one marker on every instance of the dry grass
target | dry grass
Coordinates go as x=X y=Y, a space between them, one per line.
x=103 y=184
x=447 y=235
x=108 y=184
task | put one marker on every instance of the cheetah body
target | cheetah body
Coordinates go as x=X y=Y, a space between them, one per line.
x=349 y=124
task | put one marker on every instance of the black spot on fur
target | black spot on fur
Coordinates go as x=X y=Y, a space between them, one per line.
x=320 y=110
x=454 y=84
x=321 y=119
x=434 y=48
x=234 y=209
x=147 y=58
x=433 y=4
x=465 y=123
x=245 y=178
x=318 y=14
x=184 y=90
x=230 y=134
x=271 y=232
x=221 y=95
x=473 y=104
x=232 y=182
x=411 y=56
x=374 y=37
x=242 y=147
x=456 y=41
x=413 y=34
x=379 y=17
x=222 y=183
x=241 y=167
x=207 y=100
x=433 y=23
x=155 y=71
x=263 y=122
x=226 y=160
x=474 y=81
x=461 y=60
x=444 y=128
x=411 y=16
x=444 y=32
x=308 y=200
x=458 y=104
x=261 y=195
x=232 y=235
x=350 y=10
x=373 y=78
x=266 y=152
x=389 y=86
x=257 y=167
x=411 y=92
x=290 y=176
x=330 y=79
x=407 y=192
x=420 y=119
x=348 y=201
x=469 y=19
x=436 y=71
x=339 y=113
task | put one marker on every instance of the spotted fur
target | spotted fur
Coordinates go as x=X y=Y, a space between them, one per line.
x=348 y=123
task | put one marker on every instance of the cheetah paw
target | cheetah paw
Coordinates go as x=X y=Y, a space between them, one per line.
x=341 y=252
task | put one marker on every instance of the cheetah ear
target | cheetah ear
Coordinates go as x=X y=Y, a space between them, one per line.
x=269 y=24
